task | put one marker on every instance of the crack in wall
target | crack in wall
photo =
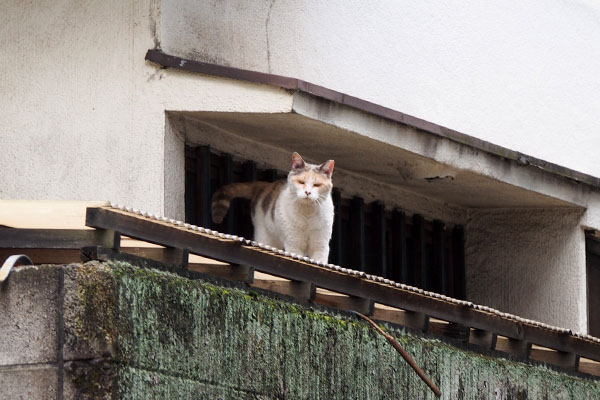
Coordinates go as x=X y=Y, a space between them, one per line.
x=267 y=21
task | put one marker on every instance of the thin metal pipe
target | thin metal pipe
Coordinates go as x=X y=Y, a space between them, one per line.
x=404 y=355
x=10 y=262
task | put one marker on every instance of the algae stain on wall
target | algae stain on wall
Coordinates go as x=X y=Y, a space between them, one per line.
x=183 y=338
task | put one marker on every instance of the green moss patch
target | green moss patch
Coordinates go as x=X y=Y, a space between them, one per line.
x=182 y=338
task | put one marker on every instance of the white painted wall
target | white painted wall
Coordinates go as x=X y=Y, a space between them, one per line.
x=523 y=75
x=83 y=115
x=529 y=263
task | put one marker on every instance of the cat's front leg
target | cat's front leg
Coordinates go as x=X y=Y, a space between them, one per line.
x=320 y=254
x=294 y=246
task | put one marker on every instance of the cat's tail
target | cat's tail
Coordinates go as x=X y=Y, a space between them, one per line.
x=222 y=197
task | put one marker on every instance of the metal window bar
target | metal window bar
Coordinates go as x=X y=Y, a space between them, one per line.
x=368 y=237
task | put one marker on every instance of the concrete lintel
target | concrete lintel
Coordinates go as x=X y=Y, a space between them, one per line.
x=456 y=156
x=451 y=151
x=411 y=168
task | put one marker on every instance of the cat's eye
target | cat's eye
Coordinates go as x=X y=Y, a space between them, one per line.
x=301 y=182
x=317 y=185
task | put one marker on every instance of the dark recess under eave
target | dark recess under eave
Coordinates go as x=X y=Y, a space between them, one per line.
x=293 y=84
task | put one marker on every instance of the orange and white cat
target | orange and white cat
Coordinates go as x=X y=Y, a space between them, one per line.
x=295 y=215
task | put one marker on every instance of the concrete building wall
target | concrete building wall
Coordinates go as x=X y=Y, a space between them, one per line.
x=530 y=263
x=523 y=75
x=79 y=100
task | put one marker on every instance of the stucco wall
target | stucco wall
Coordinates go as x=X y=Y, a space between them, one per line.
x=523 y=75
x=83 y=115
x=530 y=263
x=116 y=331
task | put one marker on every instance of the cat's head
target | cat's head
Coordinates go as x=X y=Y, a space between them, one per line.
x=310 y=182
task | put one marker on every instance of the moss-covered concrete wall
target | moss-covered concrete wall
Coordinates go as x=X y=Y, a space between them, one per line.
x=144 y=334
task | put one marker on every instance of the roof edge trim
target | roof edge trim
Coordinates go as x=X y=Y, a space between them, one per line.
x=293 y=84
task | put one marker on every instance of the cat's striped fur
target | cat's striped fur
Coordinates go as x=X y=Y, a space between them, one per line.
x=294 y=214
x=265 y=193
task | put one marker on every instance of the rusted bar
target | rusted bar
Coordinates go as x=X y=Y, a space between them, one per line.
x=400 y=265
x=458 y=241
x=404 y=355
x=55 y=238
x=357 y=227
x=270 y=175
x=249 y=174
x=439 y=267
x=335 y=253
x=203 y=187
x=380 y=248
x=420 y=274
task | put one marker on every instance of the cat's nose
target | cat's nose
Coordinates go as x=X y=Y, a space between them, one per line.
x=307 y=192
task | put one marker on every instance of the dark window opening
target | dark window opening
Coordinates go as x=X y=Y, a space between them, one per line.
x=366 y=236
x=592 y=250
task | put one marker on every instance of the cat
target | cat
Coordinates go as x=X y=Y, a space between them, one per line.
x=295 y=215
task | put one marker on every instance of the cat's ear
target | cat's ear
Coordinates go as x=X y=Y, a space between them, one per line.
x=297 y=162
x=327 y=167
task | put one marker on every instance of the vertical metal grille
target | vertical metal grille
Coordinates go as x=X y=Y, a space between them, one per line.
x=366 y=237
x=592 y=251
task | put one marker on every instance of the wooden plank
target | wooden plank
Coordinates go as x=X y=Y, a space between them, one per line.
x=420 y=276
x=449 y=329
x=44 y=256
x=400 y=265
x=296 y=289
x=357 y=231
x=561 y=341
x=516 y=347
x=439 y=271
x=233 y=272
x=54 y=238
x=335 y=245
x=203 y=186
x=342 y=301
x=171 y=256
x=106 y=254
x=556 y=358
x=379 y=228
x=45 y=214
x=234 y=252
x=409 y=319
x=483 y=339
x=588 y=366
x=237 y=253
